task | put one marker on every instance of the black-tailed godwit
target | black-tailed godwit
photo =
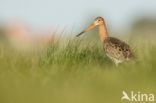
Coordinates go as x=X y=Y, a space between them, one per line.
x=115 y=49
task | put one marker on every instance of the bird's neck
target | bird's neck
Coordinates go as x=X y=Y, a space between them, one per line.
x=103 y=32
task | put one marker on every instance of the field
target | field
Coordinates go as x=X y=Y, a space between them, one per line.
x=74 y=71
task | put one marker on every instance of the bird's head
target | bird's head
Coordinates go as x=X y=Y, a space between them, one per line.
x=98 y=21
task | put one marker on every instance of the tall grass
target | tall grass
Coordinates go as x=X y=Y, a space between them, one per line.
x=75 y=71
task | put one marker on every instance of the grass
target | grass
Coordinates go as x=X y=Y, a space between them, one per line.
x=75 y=71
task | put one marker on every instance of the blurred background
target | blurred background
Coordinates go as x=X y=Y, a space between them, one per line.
x=40 y=15
x=75 y=70
x=26 y=21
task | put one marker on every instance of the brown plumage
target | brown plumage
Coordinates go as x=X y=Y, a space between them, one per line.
x=115 y=49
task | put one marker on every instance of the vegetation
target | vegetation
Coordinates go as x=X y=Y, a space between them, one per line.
x=74 y=71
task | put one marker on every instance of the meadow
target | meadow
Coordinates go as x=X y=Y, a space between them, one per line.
x=75 y=71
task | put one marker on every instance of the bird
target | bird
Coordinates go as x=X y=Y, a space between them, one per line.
x=117 y=50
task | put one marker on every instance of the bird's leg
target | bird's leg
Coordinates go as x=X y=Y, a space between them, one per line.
x=116 y=62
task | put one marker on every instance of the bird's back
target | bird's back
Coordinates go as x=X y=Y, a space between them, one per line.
x=117 y=49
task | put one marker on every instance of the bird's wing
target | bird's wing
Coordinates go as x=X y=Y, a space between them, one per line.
x=117 y=48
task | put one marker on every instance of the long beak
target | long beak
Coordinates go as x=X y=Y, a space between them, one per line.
x=89 y=28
